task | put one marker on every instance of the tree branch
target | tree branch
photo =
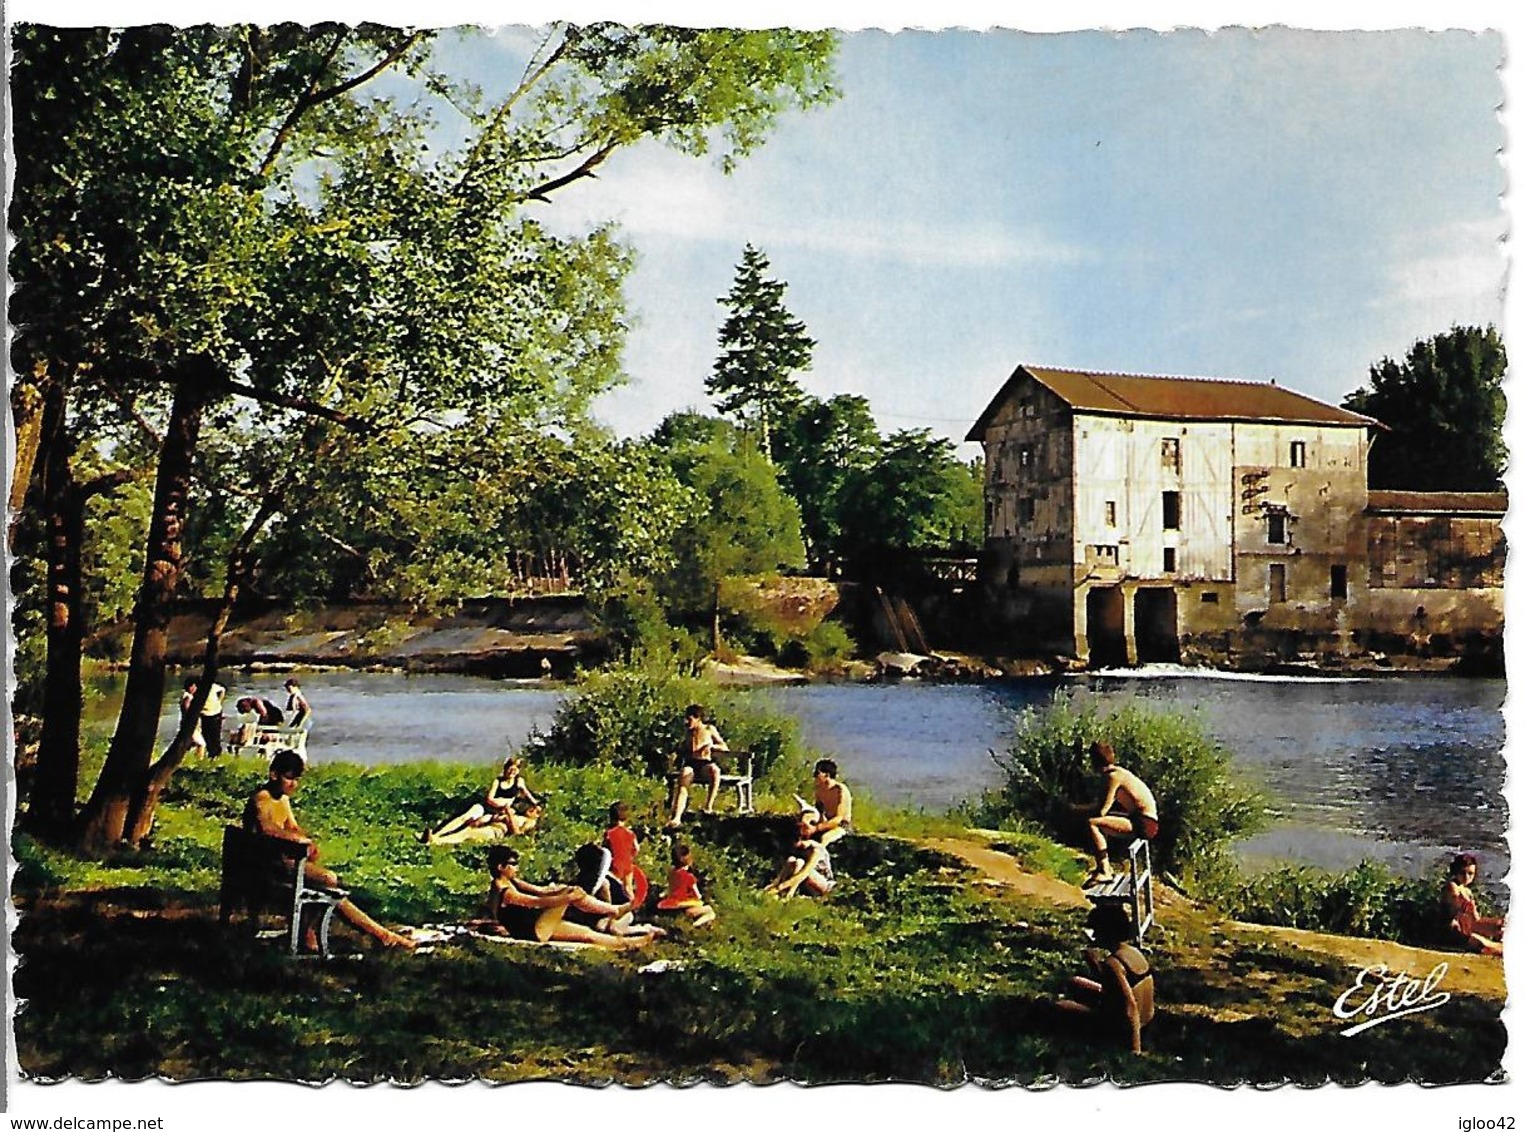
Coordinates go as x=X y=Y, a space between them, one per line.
x=301 y=405
x=543 y=191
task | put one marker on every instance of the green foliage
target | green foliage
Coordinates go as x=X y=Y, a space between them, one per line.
x=762 y=347
x=1202 y=806
x=820 y=449
x=1444 y=408
x=825 y=648
x=631 y=717
x=916 y=493
x=911 y=970
x=1367 y=900
x=743 y=523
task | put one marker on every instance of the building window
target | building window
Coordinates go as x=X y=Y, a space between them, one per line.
x=1025 y=407
x=1170 y=560
x=1278 y=582
x=1276 y=527
x=1210 y=597
x=1107 y=554
x=1170 y=508
x=1027 y=510
x=1299 y=454
x=1170 y=453
x=1025 y=456
x=1111 y=512
x=1339 y=588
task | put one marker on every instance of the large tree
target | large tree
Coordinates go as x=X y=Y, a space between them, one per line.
x=1444 y=408
x=762 y=347
x=821 y=448
x=207 y=216
x=916 y=495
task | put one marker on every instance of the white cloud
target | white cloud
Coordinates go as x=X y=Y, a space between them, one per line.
x=656 y=194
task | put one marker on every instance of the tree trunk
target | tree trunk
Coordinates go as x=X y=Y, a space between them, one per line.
x=29 y=412
x=144 y=800
x=50 y=813
x=104 y=821
x=715 y=621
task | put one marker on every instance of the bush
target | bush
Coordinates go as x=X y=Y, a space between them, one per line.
x=631 y=716
x=1368 y=900
x=826 y=647
x=1202 y=807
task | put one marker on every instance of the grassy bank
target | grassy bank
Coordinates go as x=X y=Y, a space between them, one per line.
x=915 y=969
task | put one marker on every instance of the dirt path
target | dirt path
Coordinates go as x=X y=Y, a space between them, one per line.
x=1465 y=974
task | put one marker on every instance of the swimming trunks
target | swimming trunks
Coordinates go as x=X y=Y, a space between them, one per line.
x=1145 y=826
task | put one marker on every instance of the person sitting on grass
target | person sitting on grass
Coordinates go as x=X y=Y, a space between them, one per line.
x=807 y=864
x=1464 y=927
x=1118 y=995
x=592 y=863
x=833 y=805
x=683 y=893
x=536 y=912
x=1127 y=809
x=507 y=809
x=623 y=846
x=269 y=812
x=697 y=763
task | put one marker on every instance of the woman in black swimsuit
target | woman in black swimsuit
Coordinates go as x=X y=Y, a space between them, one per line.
x=1118 y=996
x=537 y=912
x=508 y=805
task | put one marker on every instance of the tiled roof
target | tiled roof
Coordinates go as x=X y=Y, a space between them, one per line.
x=1173 y=398
x=1477 y=502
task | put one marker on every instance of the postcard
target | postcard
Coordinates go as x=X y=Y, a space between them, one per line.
x=633 y=548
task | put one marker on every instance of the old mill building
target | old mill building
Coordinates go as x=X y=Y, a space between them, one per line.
x=1132 y=518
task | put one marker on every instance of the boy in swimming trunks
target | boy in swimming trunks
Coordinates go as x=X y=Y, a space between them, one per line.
x=834 y=806
x=1127 y=808
x=698 y=763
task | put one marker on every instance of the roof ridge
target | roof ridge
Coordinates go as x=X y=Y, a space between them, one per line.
x=1159 y=376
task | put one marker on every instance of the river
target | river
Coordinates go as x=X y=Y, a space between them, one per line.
x=1404 y=770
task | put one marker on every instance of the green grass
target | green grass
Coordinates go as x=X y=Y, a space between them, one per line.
x=909 y=971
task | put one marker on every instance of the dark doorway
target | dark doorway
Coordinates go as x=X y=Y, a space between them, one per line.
x=1154 y=625
x=1104 y=627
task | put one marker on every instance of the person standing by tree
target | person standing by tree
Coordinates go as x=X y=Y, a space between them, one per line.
x=211 y=720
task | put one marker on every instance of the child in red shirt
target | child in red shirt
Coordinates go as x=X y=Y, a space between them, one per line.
x=683 y=893
x=623 y=847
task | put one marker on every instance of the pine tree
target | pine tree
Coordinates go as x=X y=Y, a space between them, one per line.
x=762 y=347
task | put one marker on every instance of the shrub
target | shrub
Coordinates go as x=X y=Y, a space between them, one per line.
x=631 y=717
x=826 y=647
x=1202 y=807
x=1368 y=900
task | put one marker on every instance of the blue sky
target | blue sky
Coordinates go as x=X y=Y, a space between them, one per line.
x=1273 y=204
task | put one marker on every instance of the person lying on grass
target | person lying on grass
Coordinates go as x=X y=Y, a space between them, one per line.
x=807 y=863
x=535 y=912
x=1127 y=809
x=592 y=863
x=508 y=808
x=269 y=812
x=1465 y=928
x=683 y=893
x=1118 y=996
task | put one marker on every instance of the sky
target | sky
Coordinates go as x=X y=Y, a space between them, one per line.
x=1247 y=204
